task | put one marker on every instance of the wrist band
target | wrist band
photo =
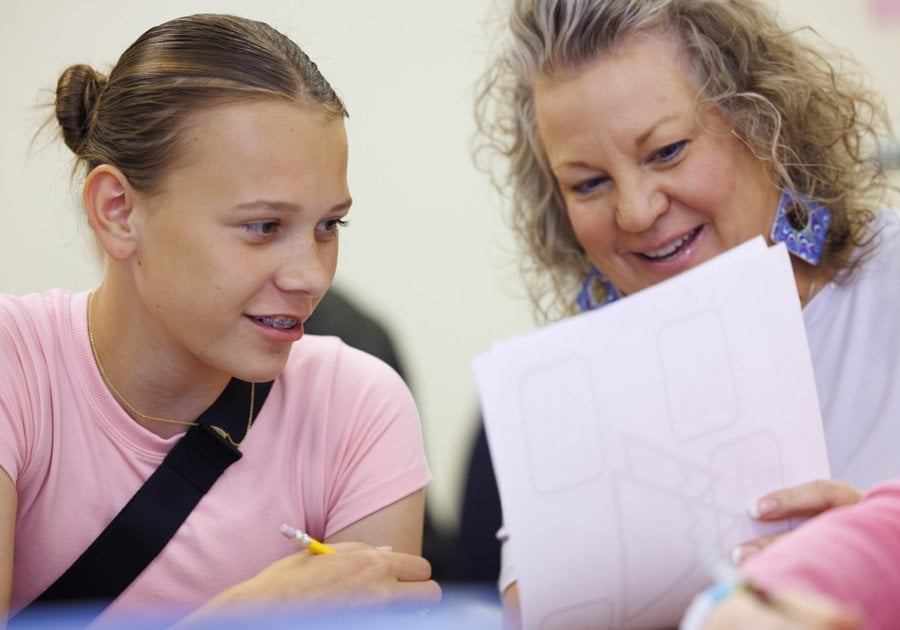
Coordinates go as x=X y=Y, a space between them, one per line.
x=704 y=603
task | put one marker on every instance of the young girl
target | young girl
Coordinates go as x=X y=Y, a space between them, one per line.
x=214 y=158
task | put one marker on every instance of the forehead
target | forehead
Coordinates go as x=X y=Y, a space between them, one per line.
x=294 y=120
x=646 y=76
x=242 y=149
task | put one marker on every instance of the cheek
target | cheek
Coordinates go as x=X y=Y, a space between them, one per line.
x=593 y=230
x=191 y=270
x=738 y=200
x=326 y=259
x=710 y=185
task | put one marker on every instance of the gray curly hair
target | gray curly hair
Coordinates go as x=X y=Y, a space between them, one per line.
x=809 y=118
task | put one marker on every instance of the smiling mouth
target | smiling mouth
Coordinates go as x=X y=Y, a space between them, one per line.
x=672 y=250
x=279 y=323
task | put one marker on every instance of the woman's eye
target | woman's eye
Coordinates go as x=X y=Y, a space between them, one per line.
x=671 y=151
x=588 y=186
x=262 y=228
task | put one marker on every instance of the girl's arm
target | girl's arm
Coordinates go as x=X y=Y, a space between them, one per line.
x=358 y=574
x=398 y=526
x=8 y=508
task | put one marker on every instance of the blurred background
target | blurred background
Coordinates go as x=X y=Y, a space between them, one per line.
x=427 y=254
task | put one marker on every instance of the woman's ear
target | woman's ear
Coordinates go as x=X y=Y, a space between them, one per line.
x=109 y=201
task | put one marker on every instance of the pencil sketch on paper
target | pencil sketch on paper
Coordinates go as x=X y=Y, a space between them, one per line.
x=562 y=435
x=701 y=398
x=588 y=616
x=697 y=500
x=563 y=424
x=633 y=439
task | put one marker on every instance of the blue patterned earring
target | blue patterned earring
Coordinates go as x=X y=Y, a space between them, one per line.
x=805 y=243
x=587 y=300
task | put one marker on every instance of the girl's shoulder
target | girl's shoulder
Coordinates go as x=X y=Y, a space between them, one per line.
x=38 y=317
x=49 y=303
x=331 y=356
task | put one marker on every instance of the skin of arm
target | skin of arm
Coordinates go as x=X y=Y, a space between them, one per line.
x=8 y=508
x=398 y=526
x=512 y=611
x=784 y=611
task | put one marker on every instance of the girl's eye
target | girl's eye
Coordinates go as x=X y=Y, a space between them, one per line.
x=671 y=151
x=262 y=228
x=588 y=185
x=330 y=227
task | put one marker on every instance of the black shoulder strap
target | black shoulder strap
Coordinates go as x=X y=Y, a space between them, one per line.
x=152 y=516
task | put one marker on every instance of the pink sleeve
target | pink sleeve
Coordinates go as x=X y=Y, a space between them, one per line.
x=18 y=376
x=851 y=554
x=379 y=457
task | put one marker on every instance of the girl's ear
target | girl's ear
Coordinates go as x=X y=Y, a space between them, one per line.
x=109 y=201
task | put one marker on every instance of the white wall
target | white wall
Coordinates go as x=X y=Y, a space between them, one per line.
x=426 y=251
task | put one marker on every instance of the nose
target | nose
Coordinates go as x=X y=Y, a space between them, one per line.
x=638 y=204
x=307 y=268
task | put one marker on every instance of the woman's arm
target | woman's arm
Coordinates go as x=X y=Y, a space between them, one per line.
x=512 y=611
x=8 y=508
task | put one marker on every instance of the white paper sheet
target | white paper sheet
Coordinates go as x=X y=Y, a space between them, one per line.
x=628 y=442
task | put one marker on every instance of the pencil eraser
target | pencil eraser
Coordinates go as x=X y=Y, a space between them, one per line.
x=287 y=530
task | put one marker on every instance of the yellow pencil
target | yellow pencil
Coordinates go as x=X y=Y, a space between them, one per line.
x=305 y=540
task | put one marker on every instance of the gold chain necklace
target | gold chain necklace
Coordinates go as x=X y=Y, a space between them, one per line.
x=147 y=416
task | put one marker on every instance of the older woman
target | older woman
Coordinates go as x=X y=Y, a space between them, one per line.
x=644 y=137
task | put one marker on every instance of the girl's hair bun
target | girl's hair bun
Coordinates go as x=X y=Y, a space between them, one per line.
x=77 y=92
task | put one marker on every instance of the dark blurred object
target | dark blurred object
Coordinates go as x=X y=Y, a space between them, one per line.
x=337 y=315
x=480 y=517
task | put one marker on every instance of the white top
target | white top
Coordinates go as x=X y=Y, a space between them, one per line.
x=854 y=341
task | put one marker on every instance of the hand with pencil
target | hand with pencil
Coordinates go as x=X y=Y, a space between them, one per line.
x=305 y=540
x=335 y=575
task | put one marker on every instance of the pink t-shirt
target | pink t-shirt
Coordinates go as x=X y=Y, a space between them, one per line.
x=337 y=439
x=851 y=554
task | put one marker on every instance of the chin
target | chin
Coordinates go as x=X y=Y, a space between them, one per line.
x=261 y=371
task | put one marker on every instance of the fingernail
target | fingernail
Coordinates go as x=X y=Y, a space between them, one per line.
x=763 y=507
x=385 y=548
x=740 y=553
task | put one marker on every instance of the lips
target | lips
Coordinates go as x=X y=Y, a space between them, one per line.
x=674 y=248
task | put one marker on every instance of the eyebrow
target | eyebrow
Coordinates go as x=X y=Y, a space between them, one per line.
x=284 y=206
x=642 y=138
x=638 y=142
